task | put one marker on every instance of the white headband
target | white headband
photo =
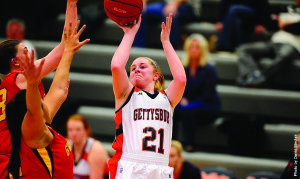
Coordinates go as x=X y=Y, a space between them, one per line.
x=152 y=62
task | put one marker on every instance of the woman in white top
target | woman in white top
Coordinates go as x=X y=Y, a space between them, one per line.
x=90 y=156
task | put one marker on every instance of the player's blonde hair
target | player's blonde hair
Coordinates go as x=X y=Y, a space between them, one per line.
x=203 y=47
x=160 y=82
x=177 y=145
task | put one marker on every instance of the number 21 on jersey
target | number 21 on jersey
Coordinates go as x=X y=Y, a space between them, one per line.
x=3 y=93
x=151 y=138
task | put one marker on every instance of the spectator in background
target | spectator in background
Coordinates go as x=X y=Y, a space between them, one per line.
x=155 y=11
x=35 y=16
x=239 y=19
x=200 y=103
x=182 y=169
x=15 y=30
x=282 y=49
x=90 y=156
x=292 y=169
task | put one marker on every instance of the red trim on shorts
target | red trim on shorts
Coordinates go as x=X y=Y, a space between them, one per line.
x=113 y=164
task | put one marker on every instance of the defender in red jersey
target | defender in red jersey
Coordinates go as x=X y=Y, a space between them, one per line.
x=13 y=83
x=43 y=152
x=8 y=89
x=54 y=161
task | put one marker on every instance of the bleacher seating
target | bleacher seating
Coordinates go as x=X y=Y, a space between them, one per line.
x=263 y=174
x=96 y=59
x=96 y=90
x=274 y=103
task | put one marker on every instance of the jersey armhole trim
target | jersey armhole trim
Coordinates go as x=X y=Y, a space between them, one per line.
x=127 y=100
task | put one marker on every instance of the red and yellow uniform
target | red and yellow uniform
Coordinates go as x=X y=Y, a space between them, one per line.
x=53 y=161
x=8 y=90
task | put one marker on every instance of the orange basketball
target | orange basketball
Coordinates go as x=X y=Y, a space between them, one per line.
x=123 y=12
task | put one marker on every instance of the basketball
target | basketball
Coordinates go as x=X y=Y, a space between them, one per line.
x=123 y=12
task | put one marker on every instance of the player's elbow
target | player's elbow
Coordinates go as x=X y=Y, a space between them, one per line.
x=62 y=93
x=59 y=91
x=115 y=67
x=181 y=80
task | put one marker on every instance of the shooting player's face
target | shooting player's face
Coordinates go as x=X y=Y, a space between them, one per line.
x=141 y=73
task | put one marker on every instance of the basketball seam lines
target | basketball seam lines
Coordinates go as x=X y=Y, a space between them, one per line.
x=127 y=4
x=121 y=16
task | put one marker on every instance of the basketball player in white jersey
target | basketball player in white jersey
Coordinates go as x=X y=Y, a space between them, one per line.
x=144 y=110
x=90 y=156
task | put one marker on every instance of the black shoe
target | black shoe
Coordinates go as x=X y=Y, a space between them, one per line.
x=253 y=79
x=240 y=81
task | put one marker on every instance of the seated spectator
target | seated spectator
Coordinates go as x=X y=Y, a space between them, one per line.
x=90 y=156
x=239 y=19
x=283 y=48
x=182 y=169
x=155 y=11
x=200 y=103
x=292 y=169
x=15 y=30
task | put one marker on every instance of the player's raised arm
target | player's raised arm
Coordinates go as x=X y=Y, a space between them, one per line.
x=176 y=87
x=53 y=58
x=59 y=88
x=121 y=83
x=34 y=130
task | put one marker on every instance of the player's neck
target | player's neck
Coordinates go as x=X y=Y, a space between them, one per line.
x=78 y=147
x=148 y=89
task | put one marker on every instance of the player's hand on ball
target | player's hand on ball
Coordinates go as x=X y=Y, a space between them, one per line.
x=134 y=28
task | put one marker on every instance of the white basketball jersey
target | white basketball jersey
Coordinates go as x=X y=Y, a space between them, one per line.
x=81 y=168
x=144 y=126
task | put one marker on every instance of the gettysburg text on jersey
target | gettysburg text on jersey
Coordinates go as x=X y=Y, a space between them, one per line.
x=151 y=114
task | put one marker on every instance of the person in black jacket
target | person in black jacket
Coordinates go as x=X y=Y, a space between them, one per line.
x=283 y=48
x=239 y=19
x=182 y=169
